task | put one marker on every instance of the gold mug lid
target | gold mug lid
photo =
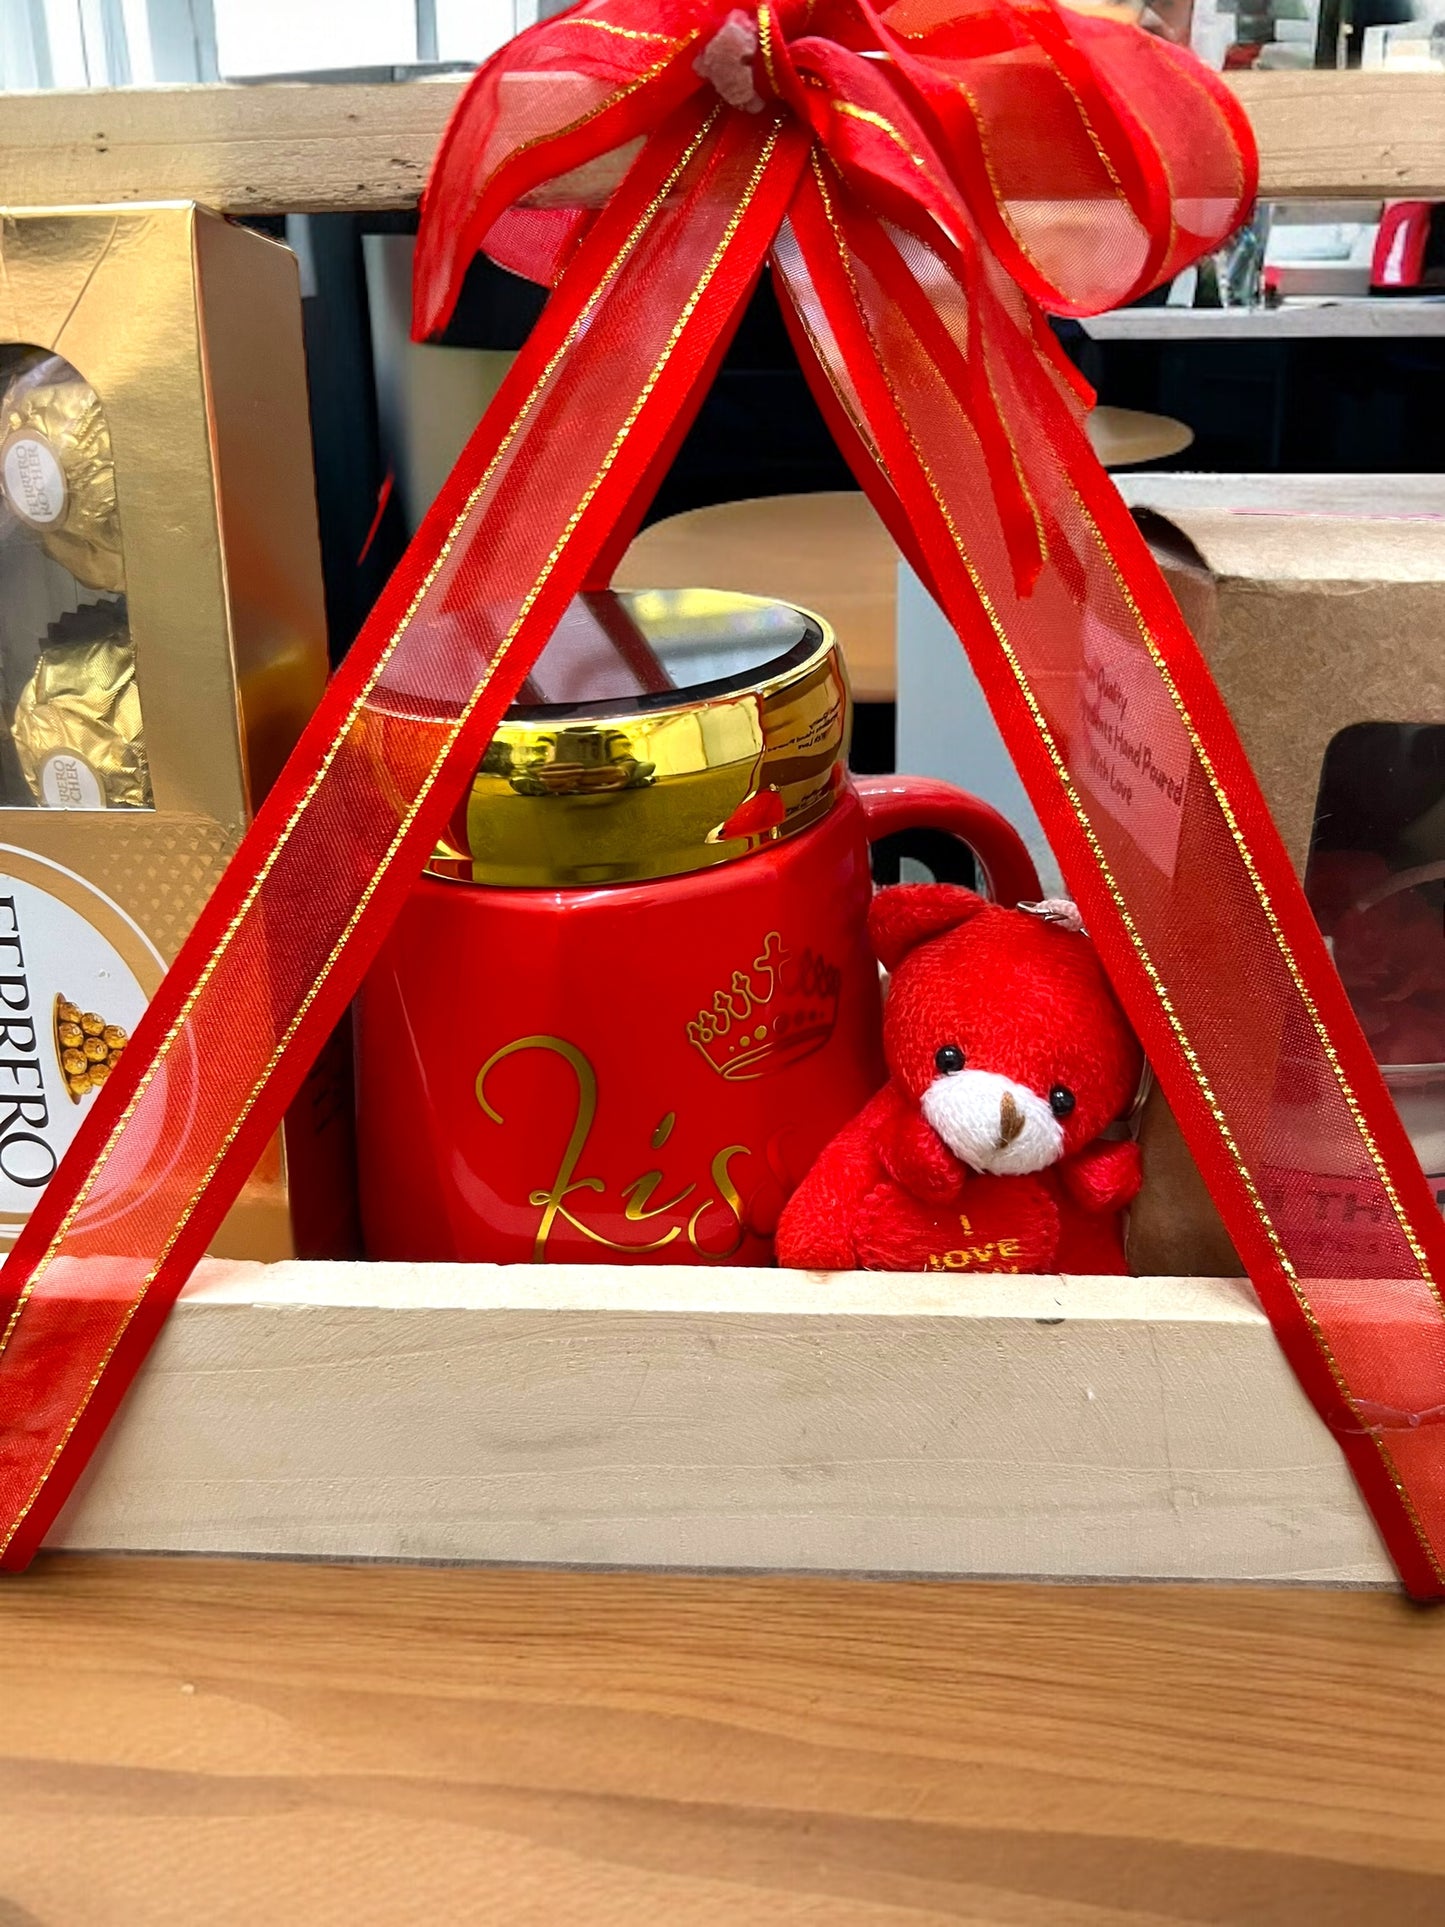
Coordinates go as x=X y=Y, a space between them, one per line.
x=660 y=732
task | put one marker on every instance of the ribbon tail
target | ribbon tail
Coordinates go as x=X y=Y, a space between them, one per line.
x=326 y=866
x=1137 y=774
x=962 y=365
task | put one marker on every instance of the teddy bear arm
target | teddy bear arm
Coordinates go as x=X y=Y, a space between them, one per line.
x=916 y=1157
x=817 y=1229
x=1104 y=1177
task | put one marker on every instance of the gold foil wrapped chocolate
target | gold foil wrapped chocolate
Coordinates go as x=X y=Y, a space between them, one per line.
x=77 y=727
x=86 y=1069
x=56 y=471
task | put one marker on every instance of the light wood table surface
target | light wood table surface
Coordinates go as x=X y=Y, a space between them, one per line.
x=213 y=1743
x=1123 y=437
x=828 y=551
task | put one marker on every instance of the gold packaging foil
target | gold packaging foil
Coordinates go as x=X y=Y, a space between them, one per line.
x=188 y=329
x=56 y=470
x=77 y=726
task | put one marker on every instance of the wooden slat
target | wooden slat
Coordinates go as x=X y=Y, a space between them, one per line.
x=241 y=150
x=189 y=1741
x=676 y=1416
x=274 y=149
x=1329 y=136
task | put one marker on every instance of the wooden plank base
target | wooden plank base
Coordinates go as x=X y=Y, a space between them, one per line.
x=1131 y=1428
x=188 y=1741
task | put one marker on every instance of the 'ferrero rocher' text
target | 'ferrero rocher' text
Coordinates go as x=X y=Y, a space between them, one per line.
x=26 y=1157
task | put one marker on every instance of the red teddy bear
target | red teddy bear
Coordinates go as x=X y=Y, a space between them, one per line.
x=1009 y=1056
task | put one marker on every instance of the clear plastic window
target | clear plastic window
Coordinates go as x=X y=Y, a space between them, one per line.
x=73 y=737
x=1376 y=882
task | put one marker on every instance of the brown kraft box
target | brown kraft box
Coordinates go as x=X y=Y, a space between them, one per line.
x=1319 y=603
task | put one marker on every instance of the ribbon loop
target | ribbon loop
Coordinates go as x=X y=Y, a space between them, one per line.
x=1091 y=159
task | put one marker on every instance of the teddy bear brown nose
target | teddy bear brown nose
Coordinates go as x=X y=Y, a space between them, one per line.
x=1011 y=1121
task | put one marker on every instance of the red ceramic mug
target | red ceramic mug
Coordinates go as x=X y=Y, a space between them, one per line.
x=633 y=997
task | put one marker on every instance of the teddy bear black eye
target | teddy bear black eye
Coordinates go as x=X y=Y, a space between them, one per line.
x=949 y=1058
x=1061 y=1100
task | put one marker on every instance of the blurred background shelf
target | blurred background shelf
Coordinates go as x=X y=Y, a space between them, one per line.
x=828 y=551
x=1350 y=318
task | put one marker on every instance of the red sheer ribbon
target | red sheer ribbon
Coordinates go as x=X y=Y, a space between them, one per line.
x=929 y=179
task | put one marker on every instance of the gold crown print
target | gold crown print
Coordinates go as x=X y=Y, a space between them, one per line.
x=779 y=1010
x=86 y=1046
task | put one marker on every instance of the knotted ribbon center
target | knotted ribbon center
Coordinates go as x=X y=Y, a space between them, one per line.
x=726 y=62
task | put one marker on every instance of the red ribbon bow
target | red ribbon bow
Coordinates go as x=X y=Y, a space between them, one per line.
x=924 y=181
x=1022 y=150
x=1090 y=160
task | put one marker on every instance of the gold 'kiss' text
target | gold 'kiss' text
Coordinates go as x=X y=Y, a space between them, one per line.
x=690 y=1213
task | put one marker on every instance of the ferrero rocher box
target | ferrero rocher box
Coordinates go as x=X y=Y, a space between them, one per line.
x=162 y=642
x=1319 y=603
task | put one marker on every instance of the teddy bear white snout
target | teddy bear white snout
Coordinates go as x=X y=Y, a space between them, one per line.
x=993 y=1124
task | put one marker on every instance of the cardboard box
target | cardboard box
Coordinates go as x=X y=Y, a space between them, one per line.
x=1319 y=602
x=162 y=643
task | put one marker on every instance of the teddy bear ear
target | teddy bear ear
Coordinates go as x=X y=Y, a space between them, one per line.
x=907 y=914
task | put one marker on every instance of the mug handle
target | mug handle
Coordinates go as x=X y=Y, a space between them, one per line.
x=893 y=803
